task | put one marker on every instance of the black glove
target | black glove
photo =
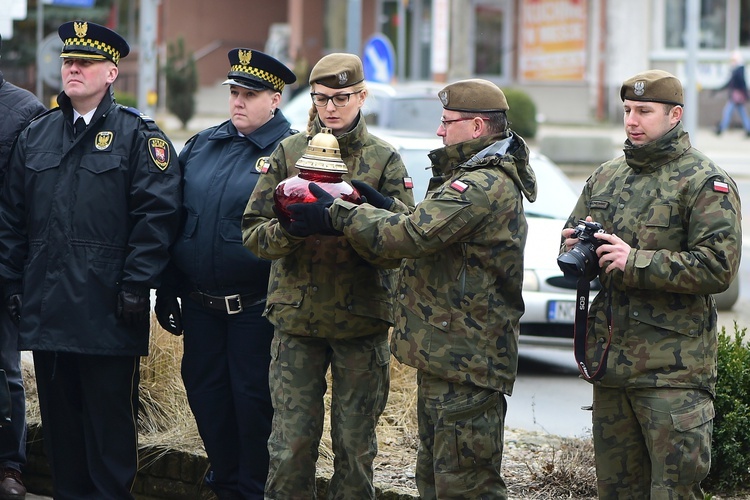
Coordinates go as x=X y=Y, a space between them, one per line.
x=13 y=305
x=372 y=196
x=282 y=217
x=133 y=307
x=168 y=312
x=312 y=218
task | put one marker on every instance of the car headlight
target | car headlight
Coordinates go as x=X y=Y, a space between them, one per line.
x=530 y=281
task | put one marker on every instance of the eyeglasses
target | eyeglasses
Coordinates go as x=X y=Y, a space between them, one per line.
x=444 y=123
x=339 y=100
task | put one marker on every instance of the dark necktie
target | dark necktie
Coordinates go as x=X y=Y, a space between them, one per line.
x=80 y=126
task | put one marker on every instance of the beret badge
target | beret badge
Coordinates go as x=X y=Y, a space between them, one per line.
x=443 y=95
x=639 y=88
x=343 y=77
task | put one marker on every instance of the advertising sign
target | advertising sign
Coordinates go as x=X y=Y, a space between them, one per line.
x=553 y=41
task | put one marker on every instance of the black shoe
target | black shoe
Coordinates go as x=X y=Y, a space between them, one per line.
x=718 y=129
x=11 y=486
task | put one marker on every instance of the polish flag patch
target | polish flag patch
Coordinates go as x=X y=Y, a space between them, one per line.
x=408 y=183
x=459 y=186
x=721 y=187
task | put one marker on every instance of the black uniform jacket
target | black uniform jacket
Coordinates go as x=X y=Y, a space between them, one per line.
x=81 y=217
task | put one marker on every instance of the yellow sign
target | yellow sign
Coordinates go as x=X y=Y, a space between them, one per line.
x=553 y=40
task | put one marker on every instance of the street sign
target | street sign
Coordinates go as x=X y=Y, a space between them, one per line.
x=379 y=59
x=71 y=3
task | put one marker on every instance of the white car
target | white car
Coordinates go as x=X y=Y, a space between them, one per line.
x=412 y=106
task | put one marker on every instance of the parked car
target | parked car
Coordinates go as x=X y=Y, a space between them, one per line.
x=412 y=106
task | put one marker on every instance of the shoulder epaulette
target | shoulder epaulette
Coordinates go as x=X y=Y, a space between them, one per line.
x=150 y=123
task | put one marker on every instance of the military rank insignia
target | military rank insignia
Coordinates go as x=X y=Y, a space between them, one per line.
x=263 y=164
x=103 y=140
x=159 y=151
x=408 y=183
x=721 y=187
x=459 y=186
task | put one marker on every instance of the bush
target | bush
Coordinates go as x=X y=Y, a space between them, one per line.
x=126 y=99
x=182 y=82
x=730 y=461
x=522 y=113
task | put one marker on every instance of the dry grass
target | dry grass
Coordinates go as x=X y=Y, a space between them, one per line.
x=534 y=465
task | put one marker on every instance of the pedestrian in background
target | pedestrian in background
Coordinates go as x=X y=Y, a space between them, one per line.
x=459 y=295
x=227 y=342
x=330 y=307
x=17 y=108
x=88 y=210
x=736 y=88
x=673 y=238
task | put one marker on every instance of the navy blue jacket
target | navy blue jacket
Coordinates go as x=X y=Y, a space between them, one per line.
x=83 y=217
x=17 y=108
x=220 y=170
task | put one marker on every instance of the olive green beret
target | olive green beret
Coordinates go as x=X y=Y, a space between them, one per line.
x=338 y=71
x=654 y=85
x=474 y=95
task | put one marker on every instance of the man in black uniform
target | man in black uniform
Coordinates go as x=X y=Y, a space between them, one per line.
x=89 y=208
x=17 y=108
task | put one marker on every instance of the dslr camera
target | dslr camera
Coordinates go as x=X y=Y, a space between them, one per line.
x=581 y=261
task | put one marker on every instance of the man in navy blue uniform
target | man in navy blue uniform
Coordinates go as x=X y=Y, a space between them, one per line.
x=89 y=208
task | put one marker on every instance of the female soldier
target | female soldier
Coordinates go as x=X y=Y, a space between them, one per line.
x=329 y=306
x=222 y=285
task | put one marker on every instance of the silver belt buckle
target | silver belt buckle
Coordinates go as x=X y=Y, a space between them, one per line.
x=227 y=302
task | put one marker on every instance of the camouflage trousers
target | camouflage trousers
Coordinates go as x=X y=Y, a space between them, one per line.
x=360 y=382
x=652 y=442
x=461 y=431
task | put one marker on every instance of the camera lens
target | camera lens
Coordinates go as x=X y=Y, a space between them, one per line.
x=572 y=263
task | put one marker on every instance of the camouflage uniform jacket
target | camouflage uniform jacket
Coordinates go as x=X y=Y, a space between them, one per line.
x=680 y=213
x=459 y=296
x=319 y=286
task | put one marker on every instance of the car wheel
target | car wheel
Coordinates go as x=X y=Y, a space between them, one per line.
x=726 y=299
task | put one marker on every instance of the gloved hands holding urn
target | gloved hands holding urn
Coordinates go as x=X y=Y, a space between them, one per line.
x=372 y=196
x=311 y=218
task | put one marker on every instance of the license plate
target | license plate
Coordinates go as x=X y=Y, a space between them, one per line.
x=561 y=311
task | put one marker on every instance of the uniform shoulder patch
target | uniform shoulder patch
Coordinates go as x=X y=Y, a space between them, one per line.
x=459 y=185
x=263 y=164
x=408 y=183
x=158 y=149
x=721 y=187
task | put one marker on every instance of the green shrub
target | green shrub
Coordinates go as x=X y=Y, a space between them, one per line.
x=730 y=461
x=522 y=113
x=182 y=82
x=126 y=99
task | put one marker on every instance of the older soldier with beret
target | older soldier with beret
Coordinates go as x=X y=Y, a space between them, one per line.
x=330 y=307
x=89 y=208
x=459 y=295
x=227 y=346
x=673 y=238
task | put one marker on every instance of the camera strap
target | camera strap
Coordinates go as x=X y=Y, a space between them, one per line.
x=580 y=332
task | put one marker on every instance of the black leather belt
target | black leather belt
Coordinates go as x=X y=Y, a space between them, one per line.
x=231 y=304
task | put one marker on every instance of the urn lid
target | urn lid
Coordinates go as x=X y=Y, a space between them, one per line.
x=323 y=154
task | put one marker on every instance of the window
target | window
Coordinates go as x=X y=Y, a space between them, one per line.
x=713 y=24
x=488 y=40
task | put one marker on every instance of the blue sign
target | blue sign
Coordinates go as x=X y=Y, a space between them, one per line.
x=71 y=3
x=379 y=59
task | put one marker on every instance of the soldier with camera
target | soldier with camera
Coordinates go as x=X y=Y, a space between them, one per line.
x=670 y=237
